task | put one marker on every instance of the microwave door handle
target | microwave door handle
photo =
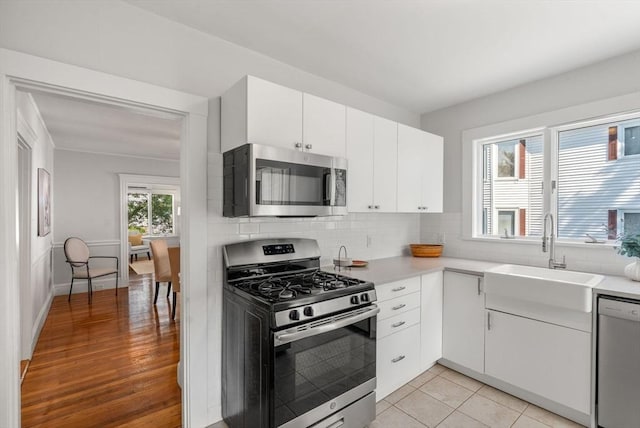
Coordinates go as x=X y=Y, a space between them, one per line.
x=332 y=197
x=291 y=336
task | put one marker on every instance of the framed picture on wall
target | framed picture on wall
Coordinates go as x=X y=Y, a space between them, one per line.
x=44 y=202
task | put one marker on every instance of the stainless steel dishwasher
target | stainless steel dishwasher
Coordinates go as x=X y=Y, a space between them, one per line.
x=618 y=398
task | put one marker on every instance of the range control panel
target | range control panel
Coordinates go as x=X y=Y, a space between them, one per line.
x=270 y=250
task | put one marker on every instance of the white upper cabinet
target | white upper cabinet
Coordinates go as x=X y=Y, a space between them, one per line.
x=360 y=157
x=372 y=154
x=261 y=112
x=323 y=126
x=385 y=164
x=432 y=173
x=420 y=168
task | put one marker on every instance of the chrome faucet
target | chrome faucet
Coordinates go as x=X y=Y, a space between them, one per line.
x=549 y=244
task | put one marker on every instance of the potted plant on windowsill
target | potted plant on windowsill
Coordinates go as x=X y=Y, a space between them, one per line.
x=629 y=245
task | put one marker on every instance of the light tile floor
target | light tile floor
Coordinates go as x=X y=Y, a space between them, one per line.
x=444 y=398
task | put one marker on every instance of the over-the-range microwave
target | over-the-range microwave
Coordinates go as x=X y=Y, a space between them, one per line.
x=263 y=180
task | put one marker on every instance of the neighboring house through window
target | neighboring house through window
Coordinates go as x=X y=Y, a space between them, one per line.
x=511 y=186
x=594 y=180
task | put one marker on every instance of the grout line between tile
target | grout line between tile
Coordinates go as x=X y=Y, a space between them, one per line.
x=399 y=409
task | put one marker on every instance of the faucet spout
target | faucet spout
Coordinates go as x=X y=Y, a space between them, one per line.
x=549 y=244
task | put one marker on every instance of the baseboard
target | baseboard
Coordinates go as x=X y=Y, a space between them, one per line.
x=39 y=323
x=80 y=285
x=536 y=399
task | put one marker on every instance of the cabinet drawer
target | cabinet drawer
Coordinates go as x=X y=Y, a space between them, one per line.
x=397 y=288
x=398 y=323
x=397 y=360
x=393 y=307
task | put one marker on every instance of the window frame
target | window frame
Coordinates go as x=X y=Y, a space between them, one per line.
x=622 y=138
x=516 y=220
x=495 y=158
x=472 y=213
x=620 y=217
x=478 y=179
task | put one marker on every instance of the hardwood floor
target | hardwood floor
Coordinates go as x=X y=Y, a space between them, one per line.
x=106 y=365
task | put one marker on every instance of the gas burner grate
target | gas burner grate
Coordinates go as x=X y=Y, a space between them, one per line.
x=288 y=287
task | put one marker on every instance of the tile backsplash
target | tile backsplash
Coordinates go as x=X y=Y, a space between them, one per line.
x=602 y=259
x=366 y=235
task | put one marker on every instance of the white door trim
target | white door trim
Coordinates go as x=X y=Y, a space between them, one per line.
x=19 y=70
x=24 y=244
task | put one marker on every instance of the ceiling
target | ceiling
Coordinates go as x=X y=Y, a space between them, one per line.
x=88 y=126
x=420 y=54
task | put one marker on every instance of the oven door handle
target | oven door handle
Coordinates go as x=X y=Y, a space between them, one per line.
x=290 y=336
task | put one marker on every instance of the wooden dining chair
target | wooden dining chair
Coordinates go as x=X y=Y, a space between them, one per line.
x=174 y=261
x=161 y=265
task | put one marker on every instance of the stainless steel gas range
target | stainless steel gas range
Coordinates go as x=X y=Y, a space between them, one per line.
x=299 y=344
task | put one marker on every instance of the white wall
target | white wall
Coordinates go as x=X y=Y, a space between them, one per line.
x=87 y=189
x=36 y=299
x=579 y=94
x=119 y=39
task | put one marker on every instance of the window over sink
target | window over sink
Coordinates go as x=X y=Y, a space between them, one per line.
x=586 y=173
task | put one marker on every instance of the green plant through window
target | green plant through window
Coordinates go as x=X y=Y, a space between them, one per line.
x=155 y=206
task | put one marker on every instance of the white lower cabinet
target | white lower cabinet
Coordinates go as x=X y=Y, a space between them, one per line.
x=430 y=320
x=546 y=359
x=463 y=320
x=409 y=330
x=397 y=360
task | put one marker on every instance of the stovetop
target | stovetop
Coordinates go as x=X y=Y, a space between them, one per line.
x=290 y=290
x=283 y=275
x=290 y=287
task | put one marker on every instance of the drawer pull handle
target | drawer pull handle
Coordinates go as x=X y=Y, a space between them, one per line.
x=396 y=359
x=400 y=306
x=398 y=324
x=479 y=286
x=399 y=288
x=488 y=320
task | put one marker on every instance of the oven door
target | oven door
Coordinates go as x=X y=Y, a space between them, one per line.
x=323 y=366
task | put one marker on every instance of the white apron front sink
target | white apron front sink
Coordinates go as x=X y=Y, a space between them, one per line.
x=565 y=289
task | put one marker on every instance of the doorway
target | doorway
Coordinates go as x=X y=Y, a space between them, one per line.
x=92 y=143
x=20 y=71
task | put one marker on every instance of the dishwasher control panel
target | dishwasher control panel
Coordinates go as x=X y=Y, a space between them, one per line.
x=619 y=309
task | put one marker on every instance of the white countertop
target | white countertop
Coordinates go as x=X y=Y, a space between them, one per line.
x=619 y=286
x=391 y=269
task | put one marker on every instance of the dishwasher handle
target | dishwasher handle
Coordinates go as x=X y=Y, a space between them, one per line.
x=622 y=309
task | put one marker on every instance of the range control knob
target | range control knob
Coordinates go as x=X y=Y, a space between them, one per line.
x=294 y=315
x=355 y=300
x=308 y=311
x=364 y=298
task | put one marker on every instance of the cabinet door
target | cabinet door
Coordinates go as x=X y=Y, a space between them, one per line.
x=274 y=114
x=410 y=145
x=385 y=164
x=431 y=319
x=324 y=126
x=360 y=157
x=463 y=320
x=432 y=155
x=397 y=360
x=546 y=359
